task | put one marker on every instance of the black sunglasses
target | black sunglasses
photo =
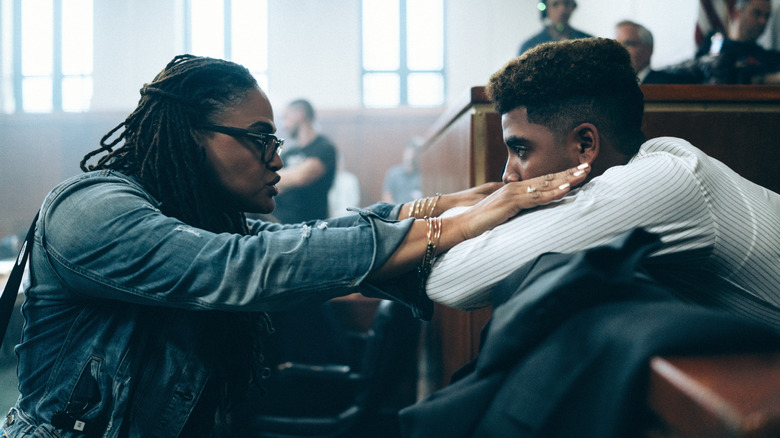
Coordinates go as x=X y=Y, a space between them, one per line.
x=267 y=144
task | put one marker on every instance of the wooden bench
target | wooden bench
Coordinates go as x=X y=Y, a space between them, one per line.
x=716 y=396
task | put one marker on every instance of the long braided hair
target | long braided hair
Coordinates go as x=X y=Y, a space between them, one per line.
x=160 y=140
x=159 y=144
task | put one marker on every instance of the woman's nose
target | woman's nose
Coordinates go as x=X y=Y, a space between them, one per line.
x=276 y=162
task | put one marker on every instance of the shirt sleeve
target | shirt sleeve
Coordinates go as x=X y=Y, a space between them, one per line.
x=659 y=192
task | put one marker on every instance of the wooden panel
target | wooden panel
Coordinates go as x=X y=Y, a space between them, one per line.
x=717 y=396
x=372 y=140
x=463 y=148
x=736 y=124
x=453 y=342
x=752 y=94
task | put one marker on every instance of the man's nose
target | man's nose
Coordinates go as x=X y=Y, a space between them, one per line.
x=509 y=176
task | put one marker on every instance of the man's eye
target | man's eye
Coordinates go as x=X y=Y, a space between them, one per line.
x=520 y=151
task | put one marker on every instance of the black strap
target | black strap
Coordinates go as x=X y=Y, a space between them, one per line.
x=11 y=289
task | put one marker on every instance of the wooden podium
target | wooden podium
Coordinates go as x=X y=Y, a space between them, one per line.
x=463 y=149
x=738 y=125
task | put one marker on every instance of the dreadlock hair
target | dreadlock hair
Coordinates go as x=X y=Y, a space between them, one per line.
x=162 y=148
x=563 y=84
x=161 y=145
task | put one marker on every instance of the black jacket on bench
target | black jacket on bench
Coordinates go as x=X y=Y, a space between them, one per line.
x=566 y=351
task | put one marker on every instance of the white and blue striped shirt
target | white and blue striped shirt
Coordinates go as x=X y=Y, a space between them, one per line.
x=720 y=233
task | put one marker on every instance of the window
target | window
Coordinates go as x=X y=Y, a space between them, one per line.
x=230 y=29
x=47 y=55
x=403 y=53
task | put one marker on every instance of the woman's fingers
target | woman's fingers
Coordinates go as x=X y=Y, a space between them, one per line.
x=556 y=182
x=514 y=197
x=545 y=189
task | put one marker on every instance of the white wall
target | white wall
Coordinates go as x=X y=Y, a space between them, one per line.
x=315 y=44
x=482 y=36
x=134 y=39
x=314 y=52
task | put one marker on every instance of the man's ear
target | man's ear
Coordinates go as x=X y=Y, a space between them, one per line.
x=586 y=137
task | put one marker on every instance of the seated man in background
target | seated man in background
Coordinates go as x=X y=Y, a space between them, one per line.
x=720 y=233
x=737 y=58
x=638 y=40
x=402 y=181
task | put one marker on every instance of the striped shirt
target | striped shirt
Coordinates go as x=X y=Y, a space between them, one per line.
x=720 y=233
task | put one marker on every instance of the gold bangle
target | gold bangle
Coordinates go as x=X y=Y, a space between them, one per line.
x=426 y=204
x=413 y=207
x=433 y=205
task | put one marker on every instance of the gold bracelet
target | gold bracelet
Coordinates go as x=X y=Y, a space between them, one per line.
x=414 y=209
x=426 y=204
x=433 y=205
x=419 y=208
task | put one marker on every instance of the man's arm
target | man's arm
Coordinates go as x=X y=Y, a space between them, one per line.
x=305 y=173
x=648 y=194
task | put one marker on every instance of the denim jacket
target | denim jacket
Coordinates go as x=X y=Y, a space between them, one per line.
x=117 y=290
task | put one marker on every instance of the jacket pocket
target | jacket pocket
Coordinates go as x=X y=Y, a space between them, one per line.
x=84 y=413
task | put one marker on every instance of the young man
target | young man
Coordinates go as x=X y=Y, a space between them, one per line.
x=578 y=101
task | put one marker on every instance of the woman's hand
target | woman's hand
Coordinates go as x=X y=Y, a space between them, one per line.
x=506 y=202
x=466 y=197
x=436 y=205
x=497 y=203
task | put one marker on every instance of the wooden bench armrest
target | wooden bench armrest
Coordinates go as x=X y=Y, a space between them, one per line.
x=717 y=396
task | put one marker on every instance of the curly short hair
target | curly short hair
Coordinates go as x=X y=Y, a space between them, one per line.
x=562 y=84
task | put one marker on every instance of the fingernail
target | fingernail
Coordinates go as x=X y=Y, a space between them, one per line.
x=583 y=166
x=564 y=186
x=578 y=173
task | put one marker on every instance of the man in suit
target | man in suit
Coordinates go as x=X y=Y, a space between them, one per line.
x=639 y=43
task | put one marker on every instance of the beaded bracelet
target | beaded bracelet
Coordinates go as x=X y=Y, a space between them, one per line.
x=433 y=235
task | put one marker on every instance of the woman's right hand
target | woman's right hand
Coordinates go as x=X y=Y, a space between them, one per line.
x=503 y=203
x=512 y=198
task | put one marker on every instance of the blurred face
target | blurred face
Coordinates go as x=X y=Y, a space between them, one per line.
x=247 y=183
x=294 y=117
x=559 y=11
x=533 y=149
x=409 y=159
x=628 y=36
x=753 y=19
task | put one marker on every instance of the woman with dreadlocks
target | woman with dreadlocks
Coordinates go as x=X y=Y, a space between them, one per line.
x=148 y=285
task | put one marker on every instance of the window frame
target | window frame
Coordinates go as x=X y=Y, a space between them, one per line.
x=17 y=76
x=227 y=29
x=404 y=72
